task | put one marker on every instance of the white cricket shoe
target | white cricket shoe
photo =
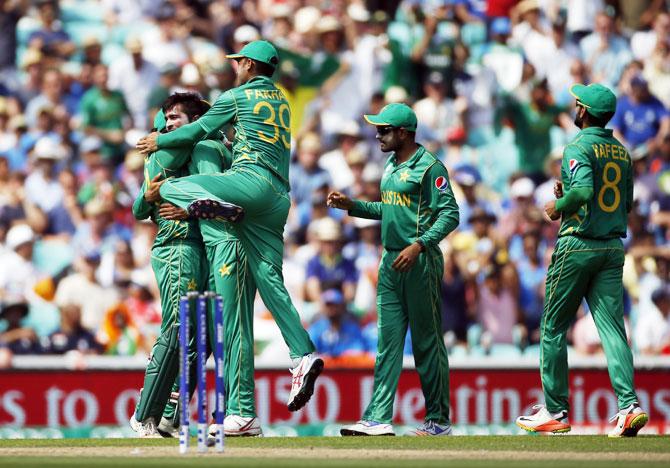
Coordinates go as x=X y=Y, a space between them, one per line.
x=544 y=421
x=145 y=429
x=304 y=376
x=238 y=426
x=368 y=428
x=431 y=428
x=166 y=429
x=628 y=421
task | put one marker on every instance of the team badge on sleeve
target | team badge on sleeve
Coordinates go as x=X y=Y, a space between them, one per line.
x=573 y=164
x=441 y=183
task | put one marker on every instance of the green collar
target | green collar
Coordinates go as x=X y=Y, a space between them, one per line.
x=411 y=162
x=256 y=79
x=597 y=131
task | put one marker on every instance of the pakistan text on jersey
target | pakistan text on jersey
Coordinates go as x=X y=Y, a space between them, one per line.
x=389 y=197
x=275 y=94
x=606 y=150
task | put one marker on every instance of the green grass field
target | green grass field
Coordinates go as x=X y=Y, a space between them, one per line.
x=463 y=451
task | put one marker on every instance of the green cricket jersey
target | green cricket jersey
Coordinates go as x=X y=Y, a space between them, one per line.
x=417 y=202
x=211 y=157
x=168 y=164
x=261 y=117
x=595 y=159
x=208 y=156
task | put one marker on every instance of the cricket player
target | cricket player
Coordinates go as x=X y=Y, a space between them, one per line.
x=417 y=210
x=253 y=193
x=593 y=202
x=179 y=263
x=228 y=276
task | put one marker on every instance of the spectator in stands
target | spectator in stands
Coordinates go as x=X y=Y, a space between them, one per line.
x=652 y=330
x=99 y=232
x=335 y=333
x=167 y=83
x=365 y=253
x=42 y=187
x=51 y=96
x=521 y=193
x=119 y=335
x=15 y=337
x=335 y=161
x=505 y=61
x=438 y=111
x=640 y=117
x=657 y=72
x=64 y=218
x=15 y=206
x=497 y=308
x=455 y=308
x=102 y=113
x=329 y=269
x=643 y=43
x=18 y=274
x=306 y=175
x=83 y=290
x=135 y=77
x=72 y=335
x=51 y=39
x=532 y=122
x=532 y=272
x=605 y=52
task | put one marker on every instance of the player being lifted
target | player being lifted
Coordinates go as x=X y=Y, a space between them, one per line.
x=253 y=193
x=593 y=202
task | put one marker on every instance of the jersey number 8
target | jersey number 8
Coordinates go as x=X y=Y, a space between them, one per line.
x=610 y=184
x=280 y=131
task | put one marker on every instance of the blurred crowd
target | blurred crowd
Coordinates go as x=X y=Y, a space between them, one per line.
x=80 y=81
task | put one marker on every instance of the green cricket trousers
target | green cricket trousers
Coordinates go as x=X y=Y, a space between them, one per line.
x=411 y=298
x=588 y=269
x=179 y=266
x=266 y=204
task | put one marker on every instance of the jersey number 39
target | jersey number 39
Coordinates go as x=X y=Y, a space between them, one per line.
x=280 y=131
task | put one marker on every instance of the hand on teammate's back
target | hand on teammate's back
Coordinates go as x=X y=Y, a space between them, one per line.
x=339 y=200
x=172 y=212
x=153 y=190
x=148 y=144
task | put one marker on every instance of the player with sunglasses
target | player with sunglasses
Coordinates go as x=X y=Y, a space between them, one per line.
x=417 y=210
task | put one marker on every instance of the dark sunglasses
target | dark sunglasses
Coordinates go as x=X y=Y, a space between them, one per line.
x=384 y=130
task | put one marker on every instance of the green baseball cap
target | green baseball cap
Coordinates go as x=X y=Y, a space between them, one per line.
x=261 y=51
x=598 y=99
x=394 y=115
x=159 y=121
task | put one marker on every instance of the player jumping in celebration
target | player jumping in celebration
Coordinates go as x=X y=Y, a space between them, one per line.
x=593 y=202
x=228 y=272
x=417 y=210
x=253 y=193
